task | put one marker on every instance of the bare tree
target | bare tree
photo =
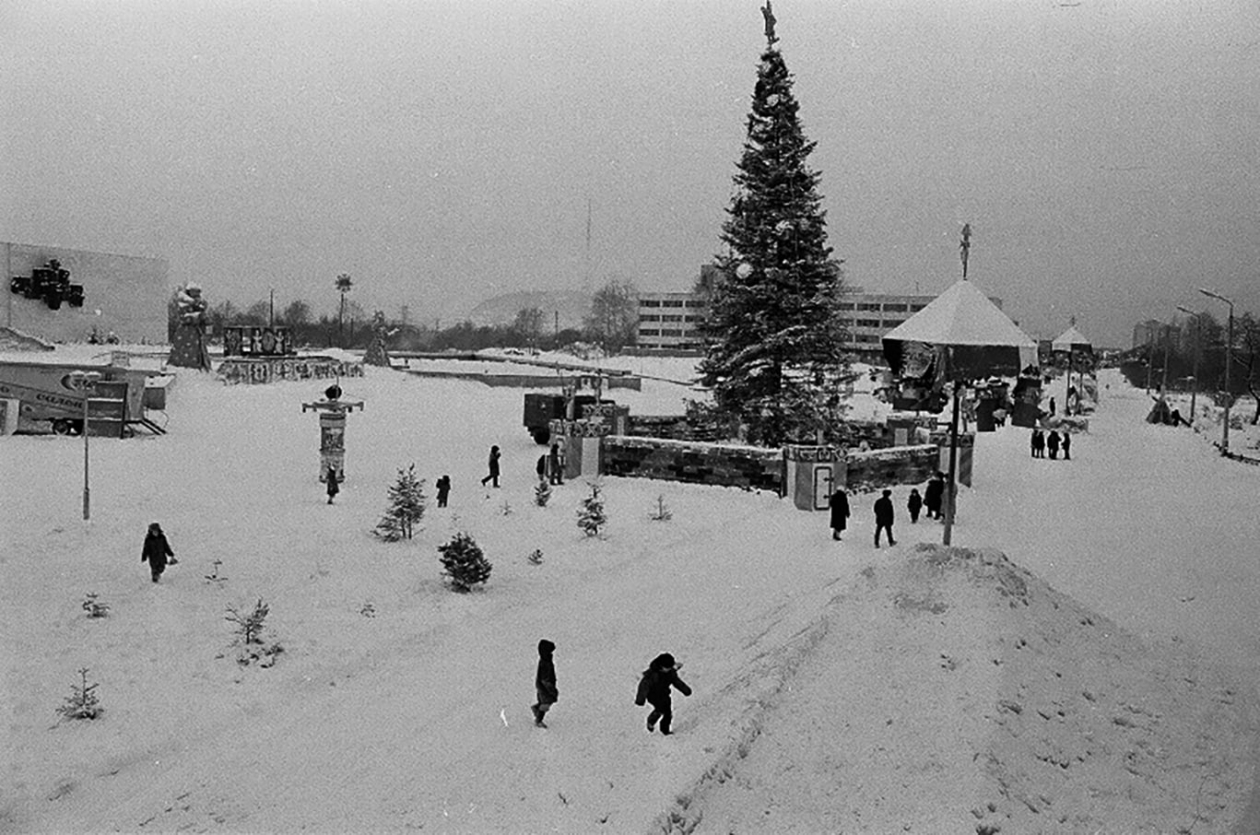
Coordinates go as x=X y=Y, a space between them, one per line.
x=614 y=319
x=297 y=314
x=529 y=324
x=1247 y=356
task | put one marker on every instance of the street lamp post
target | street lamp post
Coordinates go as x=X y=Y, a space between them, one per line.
x=1194 y=378
x=1229 y=360
x=85 y=382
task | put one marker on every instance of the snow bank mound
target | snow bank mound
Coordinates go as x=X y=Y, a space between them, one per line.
x=956 y=692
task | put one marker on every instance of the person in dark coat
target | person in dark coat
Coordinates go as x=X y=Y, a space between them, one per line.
x=654 y=689
x=1067 y=446
x=914 y=505
x=541 y=467
x=554 y=464
x=545 y=682
x=493 y=464
x=1039 y=444
x=156 y=550
x=934 y=495
x=839 y=504
x=443 y=486
x=884 y=517
x=330 y=480
x=1032 y=444
x=1052 y=443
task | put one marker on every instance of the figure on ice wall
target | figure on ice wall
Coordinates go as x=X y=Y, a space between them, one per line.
x=188 y=337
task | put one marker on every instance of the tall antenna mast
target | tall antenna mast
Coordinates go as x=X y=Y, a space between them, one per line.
x=586 y=268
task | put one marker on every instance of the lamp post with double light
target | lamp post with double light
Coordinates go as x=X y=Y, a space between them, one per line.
x=1229 y=360
x=85 y=383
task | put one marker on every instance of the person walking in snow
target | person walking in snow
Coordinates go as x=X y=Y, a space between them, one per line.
x=1052 y=443
x=1039 y=444
x=155 y=551
x=330 y=480
x=655 y=689
x=541 y=467
x=1032 y=444
x=934 y=495
x=884 y=517
x=555 y=464
x=443 y=486
x=493 y=466
x=1067 y=446
x=914 y=505
x=545 y=682
x=839 y=505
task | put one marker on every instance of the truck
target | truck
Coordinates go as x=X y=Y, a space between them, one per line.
x=541 y=409
x=48 y=398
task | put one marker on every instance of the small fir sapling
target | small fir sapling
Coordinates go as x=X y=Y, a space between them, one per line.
x=542 y=493
x=464 y=563
x=505 y=508
x=535 y=557
x=661 y=513
x=591 y=515
x=82 y=702
x=249 y=625
x=406 y=507
x=94 y=607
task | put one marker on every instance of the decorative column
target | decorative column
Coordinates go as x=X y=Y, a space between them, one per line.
x=332 y=431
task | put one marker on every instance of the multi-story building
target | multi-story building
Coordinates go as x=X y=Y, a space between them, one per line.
x=672 y=320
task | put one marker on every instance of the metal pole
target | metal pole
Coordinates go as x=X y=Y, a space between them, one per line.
x=1194 y=391
x=1229 y=360
x=1164 y=385
x=951 y=489
x=87 y=490
x=1150 y=357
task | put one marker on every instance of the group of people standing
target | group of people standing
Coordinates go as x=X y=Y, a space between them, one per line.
x=1041 y=442
x=931 y=500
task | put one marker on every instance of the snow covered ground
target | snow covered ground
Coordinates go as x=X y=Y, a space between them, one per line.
x=1102 y=679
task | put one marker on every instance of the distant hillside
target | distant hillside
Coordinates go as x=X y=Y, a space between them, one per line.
x=571 y=305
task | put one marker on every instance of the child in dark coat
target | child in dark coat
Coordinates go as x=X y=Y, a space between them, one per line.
x=545 y=682
x=443 y=486
x=1052 y=444
x=1067 y=446
x=914 y=505
x=654 y=689
x=156 y=550
x=331 y=479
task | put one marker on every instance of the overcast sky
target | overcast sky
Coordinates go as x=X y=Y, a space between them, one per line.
x=1106 y=152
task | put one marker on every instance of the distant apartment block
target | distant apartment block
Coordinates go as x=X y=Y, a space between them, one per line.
x=672 y=320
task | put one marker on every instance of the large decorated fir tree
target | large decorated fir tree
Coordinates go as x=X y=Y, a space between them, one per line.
x=773 y=354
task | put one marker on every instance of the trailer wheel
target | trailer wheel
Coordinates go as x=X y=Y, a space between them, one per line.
x=61 y=426
x=540 y=436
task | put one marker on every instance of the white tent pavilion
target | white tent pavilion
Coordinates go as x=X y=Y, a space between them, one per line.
x=974 y=339
x=1073 y=342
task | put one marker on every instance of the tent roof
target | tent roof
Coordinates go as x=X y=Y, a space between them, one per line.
x=962 y=315
x=1071 y=340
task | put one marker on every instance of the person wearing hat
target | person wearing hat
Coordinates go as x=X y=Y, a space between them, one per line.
x=654 y=689
x=545 y=682
x=884 y=517
x=156 y=550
